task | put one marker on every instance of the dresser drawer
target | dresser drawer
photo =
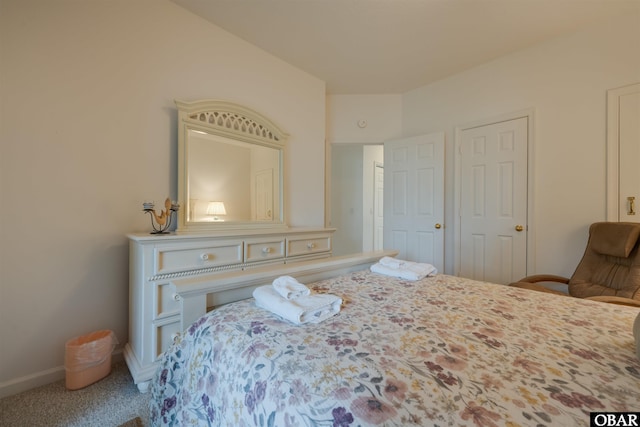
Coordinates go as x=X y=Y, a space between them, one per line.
x=167 y=304
x=171 y=259
x=306 y=245
x=165 y=331
x=264 y=249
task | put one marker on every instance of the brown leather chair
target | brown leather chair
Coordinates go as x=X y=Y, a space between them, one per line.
x=609 y=270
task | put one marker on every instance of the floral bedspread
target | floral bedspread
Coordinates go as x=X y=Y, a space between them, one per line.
x=437 y=352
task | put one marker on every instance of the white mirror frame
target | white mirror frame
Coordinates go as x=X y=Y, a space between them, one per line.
x=233 y=121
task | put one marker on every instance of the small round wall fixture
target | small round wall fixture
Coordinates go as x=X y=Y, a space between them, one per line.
x=362 y=124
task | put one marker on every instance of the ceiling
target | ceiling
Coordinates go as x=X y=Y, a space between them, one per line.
x=391 y=46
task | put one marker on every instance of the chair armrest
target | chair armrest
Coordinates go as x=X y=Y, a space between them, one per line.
x=544 y=278
x=538 y=287
x=535 y=283
x=615 y=300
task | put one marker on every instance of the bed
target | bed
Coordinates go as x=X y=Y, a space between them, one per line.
x=439 y=351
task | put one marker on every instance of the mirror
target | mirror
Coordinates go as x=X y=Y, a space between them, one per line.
x=230 y=167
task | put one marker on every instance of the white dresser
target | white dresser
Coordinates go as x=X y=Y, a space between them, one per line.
x=157 y=260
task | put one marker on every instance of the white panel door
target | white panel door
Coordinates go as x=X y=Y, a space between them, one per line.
x=264 y=195
x=493 y=201
x=414 y=198
x=629 y=154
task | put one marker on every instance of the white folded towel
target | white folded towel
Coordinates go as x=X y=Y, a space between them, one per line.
x=290 y=288
x=636 y=334
x=408 y=270
x=306 y=309
x=387 y=261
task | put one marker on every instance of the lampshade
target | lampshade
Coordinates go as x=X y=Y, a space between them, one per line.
x=216 y=208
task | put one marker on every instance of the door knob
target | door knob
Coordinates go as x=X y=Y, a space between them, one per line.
x=519 y=228
x=438 y=226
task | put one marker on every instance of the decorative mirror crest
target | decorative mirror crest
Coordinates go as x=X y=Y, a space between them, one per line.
x=228 y=156
x=235 y=122
x=232 y=120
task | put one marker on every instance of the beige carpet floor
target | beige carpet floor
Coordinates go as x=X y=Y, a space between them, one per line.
x=110 y=402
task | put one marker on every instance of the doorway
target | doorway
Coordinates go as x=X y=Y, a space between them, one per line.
x=378 y=206
x=353 y=194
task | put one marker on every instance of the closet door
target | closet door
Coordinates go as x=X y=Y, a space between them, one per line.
x=493 y=201
x=623 y=142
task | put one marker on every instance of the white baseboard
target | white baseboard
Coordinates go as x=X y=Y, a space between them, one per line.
x=37 y=379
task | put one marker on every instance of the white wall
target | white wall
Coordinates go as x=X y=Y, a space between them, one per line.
x=382 y=113
x=565 y=81
x=89 y=132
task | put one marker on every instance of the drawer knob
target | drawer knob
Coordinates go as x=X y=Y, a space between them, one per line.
x=311 y=245
x=204 y=257
x=176 y=297
x=266 y=250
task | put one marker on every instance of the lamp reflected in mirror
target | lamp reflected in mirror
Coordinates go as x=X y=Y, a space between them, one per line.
x=215 y=210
